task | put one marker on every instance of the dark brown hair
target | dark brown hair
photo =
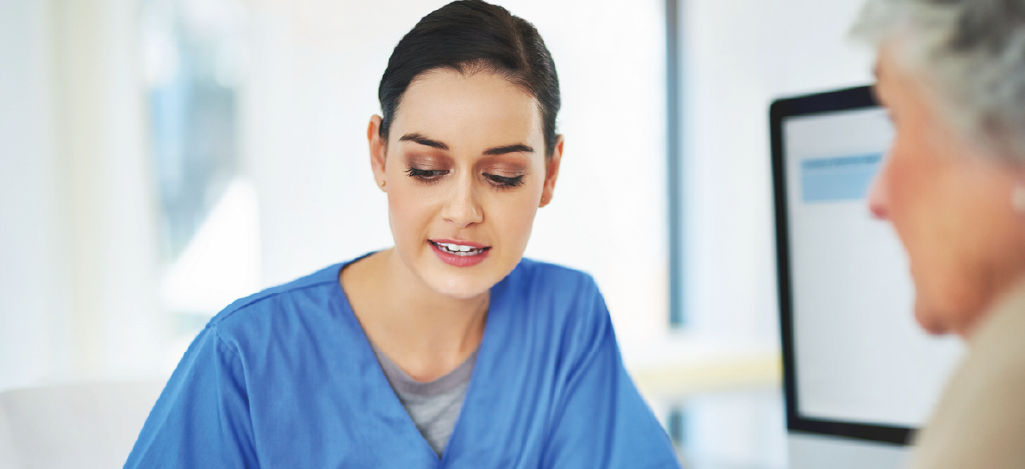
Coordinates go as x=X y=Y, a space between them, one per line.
x=474 y=36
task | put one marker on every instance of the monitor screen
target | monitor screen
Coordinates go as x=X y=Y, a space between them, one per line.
x=854 y=353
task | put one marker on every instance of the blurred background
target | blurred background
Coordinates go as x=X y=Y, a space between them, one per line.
x=161 y=158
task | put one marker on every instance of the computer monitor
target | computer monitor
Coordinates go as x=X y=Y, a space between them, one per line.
x=860 y=375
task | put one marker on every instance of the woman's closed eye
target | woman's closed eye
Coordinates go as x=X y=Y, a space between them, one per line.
x=426 y=175
x=434 y=175
x=504 y=181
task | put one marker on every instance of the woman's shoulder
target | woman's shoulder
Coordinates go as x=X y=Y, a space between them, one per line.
x=552 y=277
x=555 y=291
x=281 y=303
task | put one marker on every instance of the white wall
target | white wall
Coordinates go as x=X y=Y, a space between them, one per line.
x=77 y=237
x=32 y=341
x=739 y=56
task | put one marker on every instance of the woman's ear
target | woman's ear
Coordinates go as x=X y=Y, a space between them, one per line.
x=378 y=148
x=551 y=172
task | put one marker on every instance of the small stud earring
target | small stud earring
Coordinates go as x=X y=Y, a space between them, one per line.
x=382 y=184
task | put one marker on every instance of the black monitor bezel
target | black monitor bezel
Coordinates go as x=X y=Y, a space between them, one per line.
x=849 y=99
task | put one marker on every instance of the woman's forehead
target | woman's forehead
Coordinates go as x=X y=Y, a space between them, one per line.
x=471 y=109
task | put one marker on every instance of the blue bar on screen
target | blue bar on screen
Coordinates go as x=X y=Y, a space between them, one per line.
x=838 y=178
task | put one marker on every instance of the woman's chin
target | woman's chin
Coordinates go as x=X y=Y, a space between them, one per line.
x=461 y=289
x=465 y=282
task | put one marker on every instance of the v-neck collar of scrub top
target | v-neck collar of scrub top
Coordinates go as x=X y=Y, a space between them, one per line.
x=391 y=408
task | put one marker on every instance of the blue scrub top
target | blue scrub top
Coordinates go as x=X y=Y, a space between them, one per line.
x=286 y=378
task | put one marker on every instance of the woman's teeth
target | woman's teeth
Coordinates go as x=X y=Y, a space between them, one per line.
x=459 y=249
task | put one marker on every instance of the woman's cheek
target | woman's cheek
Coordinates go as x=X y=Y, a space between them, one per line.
x=520 y=219
x=408 y=211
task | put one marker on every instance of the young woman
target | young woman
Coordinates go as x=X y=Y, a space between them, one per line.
x=449 y=349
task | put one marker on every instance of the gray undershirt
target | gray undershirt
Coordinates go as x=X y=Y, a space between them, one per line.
x=434 y=406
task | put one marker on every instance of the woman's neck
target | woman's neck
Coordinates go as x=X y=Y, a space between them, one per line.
x=424 y=332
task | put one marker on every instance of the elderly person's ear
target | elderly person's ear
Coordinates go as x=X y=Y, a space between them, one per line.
x=1018 y=195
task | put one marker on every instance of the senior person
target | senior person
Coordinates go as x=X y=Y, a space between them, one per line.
x=952 y=75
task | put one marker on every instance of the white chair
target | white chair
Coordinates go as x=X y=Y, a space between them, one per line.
x=81 y=426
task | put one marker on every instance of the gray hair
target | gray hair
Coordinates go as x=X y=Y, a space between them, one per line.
x=972 y=52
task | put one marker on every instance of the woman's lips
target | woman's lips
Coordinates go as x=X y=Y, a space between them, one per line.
x=459 y=242
x=459 y=253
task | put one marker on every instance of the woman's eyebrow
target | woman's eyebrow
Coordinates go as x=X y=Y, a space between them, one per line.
x=422 y=140
x=418 y=138
x=518 y=148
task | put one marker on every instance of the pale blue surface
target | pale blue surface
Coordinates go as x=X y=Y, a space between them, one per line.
x=286 y=378
x=838 y=179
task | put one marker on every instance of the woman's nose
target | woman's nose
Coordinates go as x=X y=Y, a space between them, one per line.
x=878 y=198
x=462 y=208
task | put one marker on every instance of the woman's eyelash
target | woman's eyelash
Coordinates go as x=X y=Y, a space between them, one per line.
x=426 y=175
x=502 y=181
x=433 y=175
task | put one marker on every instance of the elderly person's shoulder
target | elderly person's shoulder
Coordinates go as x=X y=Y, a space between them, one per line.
x=980 y=420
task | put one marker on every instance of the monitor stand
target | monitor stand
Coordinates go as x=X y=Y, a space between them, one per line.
x=808 y=451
